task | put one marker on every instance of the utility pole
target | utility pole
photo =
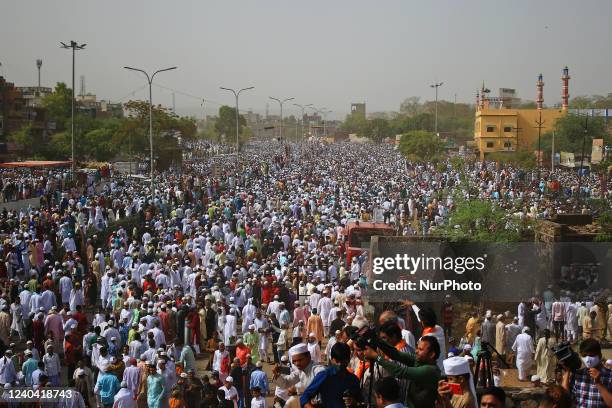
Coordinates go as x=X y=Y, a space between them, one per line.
x=150 y=82
x=74 y=47
x=302 y=120
x=517 y=130
x=38 y=65
x=539 y=124
x=237 y=94
x=281 y=102
x=436 y=85
x=552 y=153
x=586 y=129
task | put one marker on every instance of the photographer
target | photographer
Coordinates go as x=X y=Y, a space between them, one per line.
x=420 y=368
x=590 y=386
x=305 y=370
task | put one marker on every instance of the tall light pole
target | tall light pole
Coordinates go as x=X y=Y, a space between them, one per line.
x=237 y=94
x=302 y=107
x=281 y=102
x=436 y=85
x=324 y=111
x=150 y=81
x=38 y=65
x=74 y=47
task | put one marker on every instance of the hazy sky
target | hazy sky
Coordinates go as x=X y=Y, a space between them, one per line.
x=325 y=52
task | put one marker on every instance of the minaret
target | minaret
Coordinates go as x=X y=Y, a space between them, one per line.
x=540 y=92
x=477 y=100
x=565 y=92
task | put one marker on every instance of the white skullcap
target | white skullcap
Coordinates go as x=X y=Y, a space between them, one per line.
x=251 y=327
x=535 y=378
x=298 y=349
x=259 y=364
x=312 y=335
x=229 y=379
x=456 y=366
x=284 y=359
x=525 y=329
x=609 y=362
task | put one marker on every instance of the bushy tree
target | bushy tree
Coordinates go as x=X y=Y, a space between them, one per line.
x=58 y=105
x=422 y=146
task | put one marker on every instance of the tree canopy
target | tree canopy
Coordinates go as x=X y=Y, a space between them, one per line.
x=421 y=146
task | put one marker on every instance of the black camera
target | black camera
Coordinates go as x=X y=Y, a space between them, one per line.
x=566 y=356
x=365 y=337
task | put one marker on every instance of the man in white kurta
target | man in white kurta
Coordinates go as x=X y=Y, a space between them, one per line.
x=229 y=330
x=65 y=286
x=523 y=347
x=248 y=314
x=324 y=307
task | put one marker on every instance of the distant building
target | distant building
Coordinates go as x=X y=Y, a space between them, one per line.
x=17 y=110
x=33 y=95
x=498 y=128
x=509 y=98
x=359 y=109
x=89 y=104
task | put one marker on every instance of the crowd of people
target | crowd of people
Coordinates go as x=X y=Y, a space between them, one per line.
x=126 y=295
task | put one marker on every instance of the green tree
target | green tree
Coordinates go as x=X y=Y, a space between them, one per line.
x=59 y=105
x=355 y=123
x=422 y=146
x=226 y=123
x=31 y=140
x=482 y=221
x=378 y=129
x=569 y=133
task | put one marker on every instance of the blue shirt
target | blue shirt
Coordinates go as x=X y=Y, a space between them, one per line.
x=108 y=385
x=330 y=385
x=259 y=379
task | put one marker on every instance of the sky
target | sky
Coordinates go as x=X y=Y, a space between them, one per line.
x=328 y=53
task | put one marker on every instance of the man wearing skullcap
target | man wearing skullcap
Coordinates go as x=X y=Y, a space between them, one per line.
x=523 y=347
x=305 y=371
x=457 y=370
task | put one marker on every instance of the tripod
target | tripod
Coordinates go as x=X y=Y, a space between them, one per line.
x=484 y=378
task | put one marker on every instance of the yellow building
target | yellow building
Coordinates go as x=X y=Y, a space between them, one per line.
x=509 y=130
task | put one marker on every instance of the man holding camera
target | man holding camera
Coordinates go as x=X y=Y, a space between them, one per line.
x=590 y=386
x=305 y=369
x=420 y=368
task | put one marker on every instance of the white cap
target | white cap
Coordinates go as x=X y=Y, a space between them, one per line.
x=312 y=335
x=535 y=378
x=229 y=379
x=456 y=366
x=298 y=349
x=259 y=364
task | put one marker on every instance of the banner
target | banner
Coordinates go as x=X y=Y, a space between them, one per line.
x=597 y=151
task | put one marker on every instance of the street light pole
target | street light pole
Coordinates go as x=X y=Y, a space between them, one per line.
x=237 y=94
x=150 y=81
x=436 y=85
x=302 y=107
x=325 y=112
x=281 y=102
x=74 y=46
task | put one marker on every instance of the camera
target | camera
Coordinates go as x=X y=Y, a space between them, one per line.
x=566 y=356
x=365 y=337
